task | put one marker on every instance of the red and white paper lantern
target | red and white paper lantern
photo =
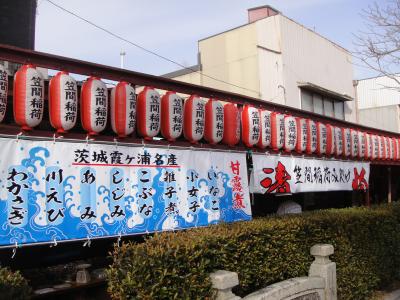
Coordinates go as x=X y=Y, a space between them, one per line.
x=321 y=138
x=277 y=131
x=290 y=133
x=393 y=148
x=214 y=127
x=28 y=97
x=362 y=143
x=312 y=136
x=369 y=146
x=398 y=148
x=376 y=151
x=354 y=143
x=330 y=139
x=231 y=134
x=94 y=105
x=3 y=92
x=346 y=141
x=171 y=116
x=265 y=129
x=123 y=109
x=387 y=148
x=302 y=135
x=193 y=118
x=148 y=113
x=63 y=102
x=382 y=147
x=338 y=141
x=250 y=125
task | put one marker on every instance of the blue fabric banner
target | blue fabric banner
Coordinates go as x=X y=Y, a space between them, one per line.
x=52 y=191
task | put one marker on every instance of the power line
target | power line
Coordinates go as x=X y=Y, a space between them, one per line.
x=145 y=49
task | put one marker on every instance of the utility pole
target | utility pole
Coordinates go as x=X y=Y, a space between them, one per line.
x=122 y=55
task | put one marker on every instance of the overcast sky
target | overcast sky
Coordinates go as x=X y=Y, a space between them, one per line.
x=173 y=27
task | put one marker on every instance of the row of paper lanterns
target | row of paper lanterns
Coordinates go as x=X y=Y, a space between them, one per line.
x=149 y=113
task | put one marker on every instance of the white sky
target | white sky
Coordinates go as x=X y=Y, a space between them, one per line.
x=173 y=27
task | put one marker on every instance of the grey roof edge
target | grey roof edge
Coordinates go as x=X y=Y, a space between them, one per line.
x=181 y=72
x=378 y=76
x=317 y=88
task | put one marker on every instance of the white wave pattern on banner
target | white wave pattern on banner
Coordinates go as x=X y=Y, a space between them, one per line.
x=65 y=191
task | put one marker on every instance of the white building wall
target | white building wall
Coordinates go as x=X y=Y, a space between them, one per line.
x=309 y=57
x=377 y=92
x=385 y=117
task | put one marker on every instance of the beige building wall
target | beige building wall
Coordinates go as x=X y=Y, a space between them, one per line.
x=232 y=57
x=193 y=78
x=270 y=58
x=270 y=66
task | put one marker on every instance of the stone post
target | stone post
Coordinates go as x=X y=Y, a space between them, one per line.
x=325 y=268
x=223 y=282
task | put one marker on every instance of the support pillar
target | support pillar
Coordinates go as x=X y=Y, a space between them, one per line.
x=389 y=185
x=368 y=198
x=325 y=268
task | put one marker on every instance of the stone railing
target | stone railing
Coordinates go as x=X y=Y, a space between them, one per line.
x=319 y=285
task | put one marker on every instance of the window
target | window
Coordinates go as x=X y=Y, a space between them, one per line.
x=321 y=104
x=318 y=104
x=328 y=107
x=339 y=110
x=306 y=101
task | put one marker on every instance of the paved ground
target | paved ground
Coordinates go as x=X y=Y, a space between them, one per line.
x=392 y=296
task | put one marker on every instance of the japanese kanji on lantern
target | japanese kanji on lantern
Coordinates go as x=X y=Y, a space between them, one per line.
x=63 y=102
x=346 y=142
x=382 y=147
x=214 y=127
x=321 y=138
x=171 y=116
x=290 y=133
x=330 y=139
x=387 y=148
x=148 y=113
x=311 y=136
x=3 y=92
x=277 y=130
x=28 y=97
x=123 y=109
x=231 y=134
x=376 y=145
x=265 y=129
x=250 y=125
x=368 y=146
x=361 y=144
x=398 y=148
x=354 y=143
x=394 y=148
x=94 y=105
x=338 y=141
x=301 y=144
x=193 y=118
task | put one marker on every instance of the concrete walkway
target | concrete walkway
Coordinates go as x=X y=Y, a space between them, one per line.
x=392 y=296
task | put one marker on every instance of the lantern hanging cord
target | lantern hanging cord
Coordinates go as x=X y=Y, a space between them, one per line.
x=145 y=49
